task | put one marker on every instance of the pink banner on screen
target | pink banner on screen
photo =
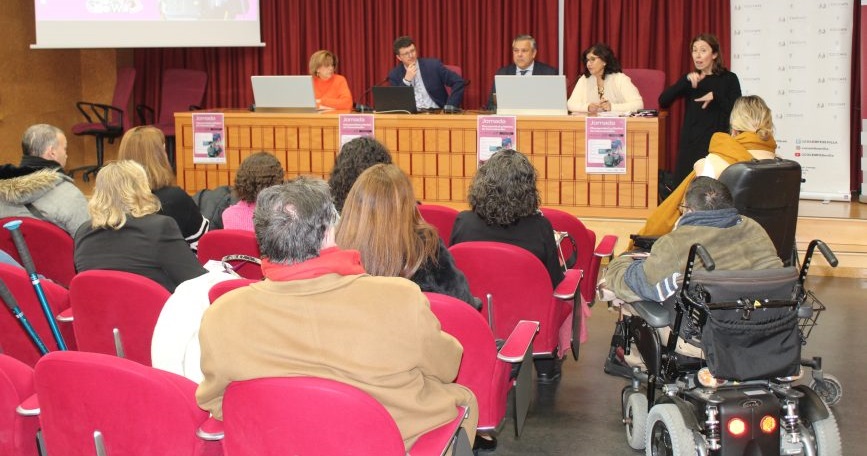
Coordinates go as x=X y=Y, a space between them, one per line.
x=145 y=10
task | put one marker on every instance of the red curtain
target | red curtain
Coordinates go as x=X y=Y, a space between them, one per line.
x=475 y=35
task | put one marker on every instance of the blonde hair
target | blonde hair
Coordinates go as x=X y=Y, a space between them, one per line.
x=380 y=219
x=321 y=58
x=121 y=190
x=146 y=145
x=751 y=114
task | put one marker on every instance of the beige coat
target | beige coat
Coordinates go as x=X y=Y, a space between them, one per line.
x=375 y=333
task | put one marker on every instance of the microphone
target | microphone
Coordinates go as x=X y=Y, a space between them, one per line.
x=361 y=107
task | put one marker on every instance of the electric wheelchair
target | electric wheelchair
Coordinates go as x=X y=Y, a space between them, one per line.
x=740 y=395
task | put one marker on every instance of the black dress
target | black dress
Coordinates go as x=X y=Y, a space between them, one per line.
x=177 y=204
x=700 y=124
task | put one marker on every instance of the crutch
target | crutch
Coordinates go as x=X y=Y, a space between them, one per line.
x=12 y=304
x=24 y=253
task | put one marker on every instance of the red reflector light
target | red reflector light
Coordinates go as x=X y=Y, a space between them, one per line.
x=768 y=424
x=737 y=427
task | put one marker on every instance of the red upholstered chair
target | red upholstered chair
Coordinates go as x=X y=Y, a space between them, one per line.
x=13 y=339
x=217 y=244
x=182 y=90
x=649 y=83
x=224 y=287
x=514 y=285
x=50 y=247
x=135 y=409
x=17 y=432
x=115 y=313
x=441 y=217
x=106 y=121
x=313 y=416
x=485 y=370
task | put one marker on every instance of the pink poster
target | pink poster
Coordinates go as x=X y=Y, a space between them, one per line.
x=495 y=133
x=209 y=133
x=606 y=145
x=352 y=126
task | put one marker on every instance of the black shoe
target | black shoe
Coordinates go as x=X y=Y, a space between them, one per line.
x=548 y=370
x=616 y=365
x=482 y=444
x=547 y=378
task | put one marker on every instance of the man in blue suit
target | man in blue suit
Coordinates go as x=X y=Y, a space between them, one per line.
x=525 y=64
x=428 y=77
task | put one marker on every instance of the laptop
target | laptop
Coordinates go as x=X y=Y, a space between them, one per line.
x=531 y=95
x=394 y=99
x=283 y=93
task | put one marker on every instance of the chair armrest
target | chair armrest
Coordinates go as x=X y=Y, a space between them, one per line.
x=145 y=114
x=438 y=441
x=101 y=111
x=30 y=406
x=211 y=430
x=606 y=246
x=518 y=342
x=569 y=285
x=65 y=316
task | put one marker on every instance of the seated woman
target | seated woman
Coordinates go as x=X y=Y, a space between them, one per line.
x=752 y=136
x=146 y=145
x=257 y=172
x=603 y=87
x=126 y=233
x=355 y=156
x=329 y=88
x=380 y=219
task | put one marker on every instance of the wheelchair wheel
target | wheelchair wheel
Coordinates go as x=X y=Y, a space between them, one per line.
x=635 y=420
x=826 y=436
x=829 y=389
x=667 y=434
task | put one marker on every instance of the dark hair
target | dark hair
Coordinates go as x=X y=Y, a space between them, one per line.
x=504 y=189
x=708 y=194
x=291 y=220
x=354 y=157
x=256 y=173
x=711 y=39
x=402 y=42
x=604 y=52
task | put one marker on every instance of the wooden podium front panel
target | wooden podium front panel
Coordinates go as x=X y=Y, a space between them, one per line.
x=438 y=152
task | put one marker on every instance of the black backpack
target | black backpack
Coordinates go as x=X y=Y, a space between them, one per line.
x=212 y=203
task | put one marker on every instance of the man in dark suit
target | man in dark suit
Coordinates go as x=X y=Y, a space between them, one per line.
x=525 y=64
x=429 y=78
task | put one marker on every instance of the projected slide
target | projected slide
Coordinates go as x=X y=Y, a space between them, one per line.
x=146 y=23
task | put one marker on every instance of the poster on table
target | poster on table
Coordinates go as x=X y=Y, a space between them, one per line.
x=209 y=133
x=495 y=133
x=353 y=126
x=797 y=56
x=606 y=145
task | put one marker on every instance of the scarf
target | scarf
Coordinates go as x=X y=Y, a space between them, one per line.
x=721 y=218
x=330 y=261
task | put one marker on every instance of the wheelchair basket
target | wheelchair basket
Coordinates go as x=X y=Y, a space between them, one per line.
x=808 y=315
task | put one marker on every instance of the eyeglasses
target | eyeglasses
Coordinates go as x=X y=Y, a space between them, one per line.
x=407 y=53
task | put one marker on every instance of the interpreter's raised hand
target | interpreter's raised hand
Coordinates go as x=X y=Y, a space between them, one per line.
x=694 y=78
x=705 y=100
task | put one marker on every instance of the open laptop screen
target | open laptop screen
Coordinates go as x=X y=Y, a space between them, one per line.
x=283 y=93
x=394 y=99
x=531 y=95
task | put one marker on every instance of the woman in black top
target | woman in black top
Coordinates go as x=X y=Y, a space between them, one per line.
x=710 y=92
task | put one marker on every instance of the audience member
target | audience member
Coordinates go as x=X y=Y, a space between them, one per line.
x=428 y=77
x=256 y=173
x=604 y=86
x=127 y=234
x=524 y=64
x=38 y=188
x=147 y=146
x=375 y=333
x=381 y=220
x=710 y=92
x=331 y=89
x=355 y=156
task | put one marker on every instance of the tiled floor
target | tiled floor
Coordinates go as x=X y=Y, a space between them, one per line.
x=581 y=414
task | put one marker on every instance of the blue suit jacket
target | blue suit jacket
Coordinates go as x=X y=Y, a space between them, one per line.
x=436 y=78
x=539 y=69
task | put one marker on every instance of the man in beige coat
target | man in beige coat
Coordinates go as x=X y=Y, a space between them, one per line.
x=319 y=314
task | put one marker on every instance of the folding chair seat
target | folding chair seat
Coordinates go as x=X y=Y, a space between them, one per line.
x=441 y=217
x=217 y=244
x=50 y=247
x=17 y=431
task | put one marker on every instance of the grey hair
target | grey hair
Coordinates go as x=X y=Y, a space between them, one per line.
x=708 y=194
x=291 y=219
x=525 y=37
x=39 y=138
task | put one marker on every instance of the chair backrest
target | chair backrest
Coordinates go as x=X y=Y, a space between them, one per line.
x=454 y=69
x=306 y=416
x=138 y=409
x=222 y=288
x=480 y=371
x=104 y=300
x=50 y=247
x=216 y=244
x=441 y=217
x=519 y=285
x=649 y=83
x=17 y=433
x=181 y=89
x=767 y=191
x=585 y=241
x=123 y=94
x=13 y=339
